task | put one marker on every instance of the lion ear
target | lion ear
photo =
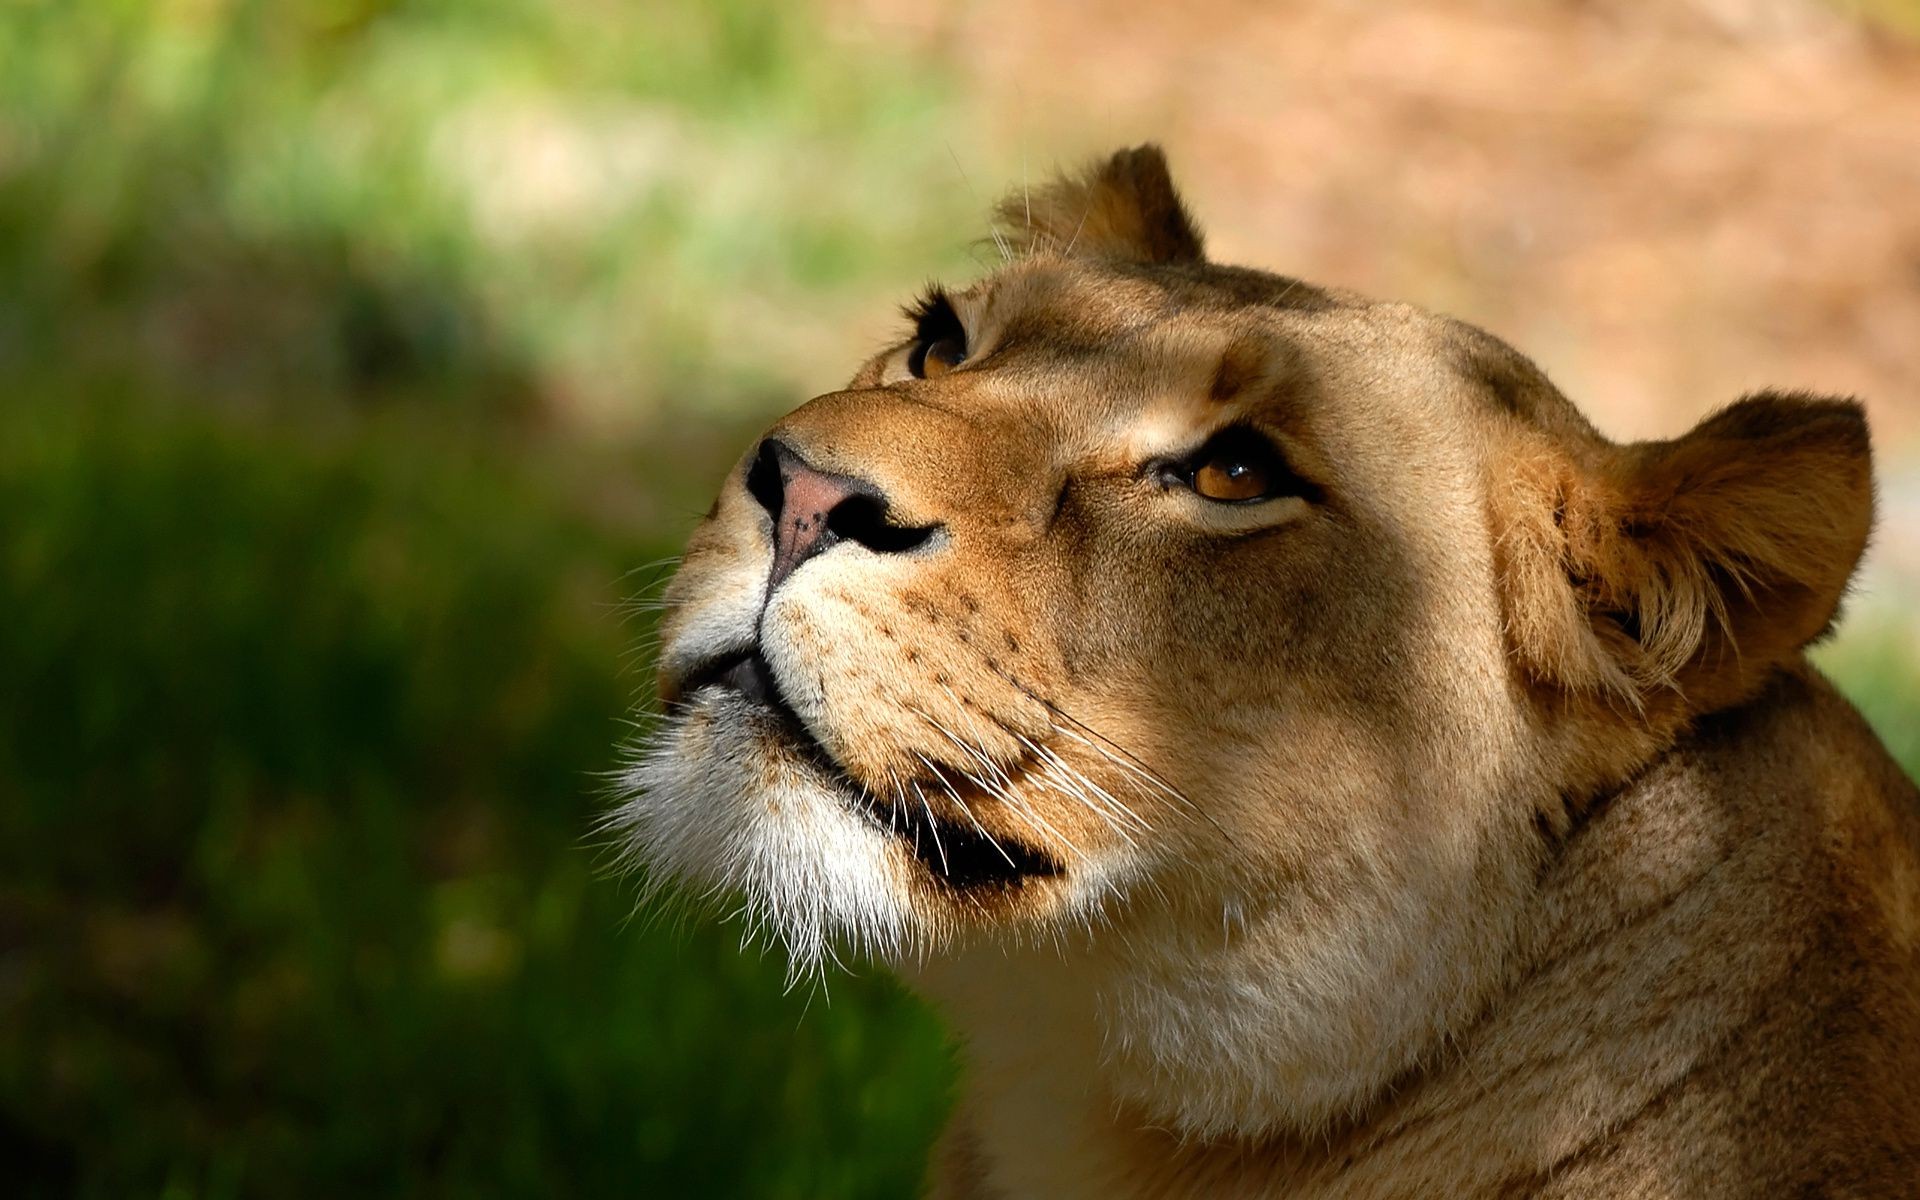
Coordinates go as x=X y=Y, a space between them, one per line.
x=1123 y=208
x=1686 y=568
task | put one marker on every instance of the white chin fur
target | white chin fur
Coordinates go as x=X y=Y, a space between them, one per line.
x=712 y=802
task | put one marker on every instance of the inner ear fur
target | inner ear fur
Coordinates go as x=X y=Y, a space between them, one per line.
x=1683 y=570
x=1123 y=208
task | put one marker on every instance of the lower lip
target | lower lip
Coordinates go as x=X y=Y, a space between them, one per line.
x=942 y=849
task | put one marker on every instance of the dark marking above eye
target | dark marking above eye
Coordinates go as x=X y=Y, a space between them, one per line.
x=1513 y=383
x=1059 y=505
x=1242 y=364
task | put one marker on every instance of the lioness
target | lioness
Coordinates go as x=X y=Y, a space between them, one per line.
x=1297 y=751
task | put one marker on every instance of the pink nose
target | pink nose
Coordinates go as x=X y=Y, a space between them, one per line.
x=813 y=511
x=801 y=527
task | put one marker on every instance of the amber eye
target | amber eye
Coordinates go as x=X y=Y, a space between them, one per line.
x=1236 y=466
x=1230 y=478
x=931 y=360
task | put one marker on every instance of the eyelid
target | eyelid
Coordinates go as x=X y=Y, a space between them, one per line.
x=1179 y=468
x=935 y=320
x=934 y=317
x=1191 y=460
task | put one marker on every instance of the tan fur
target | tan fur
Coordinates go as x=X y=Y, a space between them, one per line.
x=1465 y=822
x=1121 y=208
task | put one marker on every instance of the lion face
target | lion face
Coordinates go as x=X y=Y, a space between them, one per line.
x=1165 y=610
x=969 y=625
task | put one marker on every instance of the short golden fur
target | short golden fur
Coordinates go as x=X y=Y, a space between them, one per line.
x=1457 y=817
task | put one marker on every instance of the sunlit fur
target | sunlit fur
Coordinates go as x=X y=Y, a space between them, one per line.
x=1466 y=822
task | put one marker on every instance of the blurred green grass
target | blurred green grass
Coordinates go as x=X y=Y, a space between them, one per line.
x=604 y=211
x=345 y=355
x=297 y=897
x=353 y=353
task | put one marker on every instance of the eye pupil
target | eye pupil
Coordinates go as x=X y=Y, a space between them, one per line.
x=930 y=360
x=1227 y=478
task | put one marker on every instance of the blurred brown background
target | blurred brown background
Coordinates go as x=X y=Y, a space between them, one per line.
x=1667 y=203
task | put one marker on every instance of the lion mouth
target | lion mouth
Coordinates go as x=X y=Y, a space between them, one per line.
x=959 y=854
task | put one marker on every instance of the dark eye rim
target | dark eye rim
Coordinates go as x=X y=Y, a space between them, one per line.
x=1242 y=441
x=917 y=357
x=934 y=321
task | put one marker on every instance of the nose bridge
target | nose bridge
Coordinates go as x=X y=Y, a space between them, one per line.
x=933 y=457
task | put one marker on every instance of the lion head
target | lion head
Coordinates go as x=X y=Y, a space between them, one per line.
x=1232 y=643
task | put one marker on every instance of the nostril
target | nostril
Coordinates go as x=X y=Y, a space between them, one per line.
x=763 y=478
x=862 y=518
x=813 y=510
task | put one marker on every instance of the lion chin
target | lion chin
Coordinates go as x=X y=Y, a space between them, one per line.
x=1298 y=752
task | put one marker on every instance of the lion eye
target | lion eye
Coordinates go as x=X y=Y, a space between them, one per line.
x=931 y=360
x=939 y=336
x=1236 y=466
x=1230 y=478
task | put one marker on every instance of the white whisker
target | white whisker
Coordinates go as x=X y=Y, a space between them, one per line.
x=967 y=809
x=1116 y=814
x=933 y=826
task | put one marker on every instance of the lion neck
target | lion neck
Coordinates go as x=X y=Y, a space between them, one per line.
x=1226 y=1058
x=1258 y=1021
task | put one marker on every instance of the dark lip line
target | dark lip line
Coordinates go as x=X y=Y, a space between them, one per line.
x=714 y=672
x=960 y=854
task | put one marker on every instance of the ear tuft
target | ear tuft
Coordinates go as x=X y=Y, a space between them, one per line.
x=1694 y=565
x=1124 y=208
